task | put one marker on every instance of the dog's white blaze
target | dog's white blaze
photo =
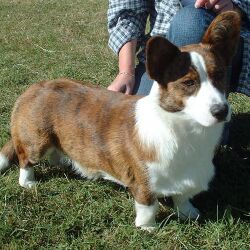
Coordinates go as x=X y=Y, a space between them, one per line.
x=4 y=162
x=198 y=106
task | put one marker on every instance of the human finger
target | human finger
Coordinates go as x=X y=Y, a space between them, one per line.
x=128 y=90
x=222 y=6
x=211 y=3
x=200 y=3
x=116 y=86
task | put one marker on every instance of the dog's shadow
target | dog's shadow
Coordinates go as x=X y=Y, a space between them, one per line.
x=229 y=193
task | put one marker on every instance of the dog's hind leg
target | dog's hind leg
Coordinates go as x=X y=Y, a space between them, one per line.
x=29 y=151
x=26 y=175
x=7 y=156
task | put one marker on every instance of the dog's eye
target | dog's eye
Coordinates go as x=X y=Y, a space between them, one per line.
x=189 y=82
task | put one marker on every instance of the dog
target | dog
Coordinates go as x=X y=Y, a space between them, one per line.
x=158 y=145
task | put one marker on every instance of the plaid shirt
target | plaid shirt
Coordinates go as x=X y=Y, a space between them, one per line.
x=127 y=21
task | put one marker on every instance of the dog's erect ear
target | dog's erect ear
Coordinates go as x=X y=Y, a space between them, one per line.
x=223 y=34
x=161 y=56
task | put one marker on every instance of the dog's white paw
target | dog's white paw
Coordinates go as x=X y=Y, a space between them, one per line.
x=149 y=229
x=28 y=184
x=187 y=210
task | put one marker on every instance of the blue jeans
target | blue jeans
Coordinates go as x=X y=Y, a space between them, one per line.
x=187 y=27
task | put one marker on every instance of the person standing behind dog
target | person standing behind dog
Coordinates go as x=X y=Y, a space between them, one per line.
x=182 y=22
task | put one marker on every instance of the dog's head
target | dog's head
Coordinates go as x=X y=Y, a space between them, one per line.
x=193 y=79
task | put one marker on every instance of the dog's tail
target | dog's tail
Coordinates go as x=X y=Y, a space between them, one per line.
x=7 y=156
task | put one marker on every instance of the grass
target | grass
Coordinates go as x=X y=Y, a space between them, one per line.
x=49 y=39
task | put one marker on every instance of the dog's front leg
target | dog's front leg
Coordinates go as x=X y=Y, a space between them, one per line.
x=145 y=216
x=146 y=206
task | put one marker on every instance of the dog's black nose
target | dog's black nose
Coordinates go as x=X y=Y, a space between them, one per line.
x=219 y=111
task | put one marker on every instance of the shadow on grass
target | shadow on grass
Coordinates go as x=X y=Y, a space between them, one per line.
x=240 y=136
x=230 y=190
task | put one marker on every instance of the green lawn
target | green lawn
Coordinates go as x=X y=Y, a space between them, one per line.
x=46 y=39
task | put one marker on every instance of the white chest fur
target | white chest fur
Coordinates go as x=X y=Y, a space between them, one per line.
x=184 y=149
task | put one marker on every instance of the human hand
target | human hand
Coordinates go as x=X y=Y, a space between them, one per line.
x=216 y=6
x=124 y=82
